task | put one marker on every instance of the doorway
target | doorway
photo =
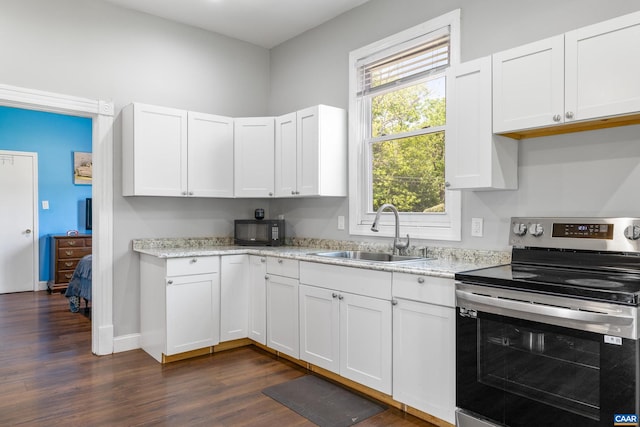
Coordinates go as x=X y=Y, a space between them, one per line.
x=101 y=113
x=19 y=210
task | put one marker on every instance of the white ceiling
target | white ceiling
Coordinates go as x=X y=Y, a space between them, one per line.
x=265 y=23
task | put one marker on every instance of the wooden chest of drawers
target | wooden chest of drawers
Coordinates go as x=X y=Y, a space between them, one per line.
x=66 y=251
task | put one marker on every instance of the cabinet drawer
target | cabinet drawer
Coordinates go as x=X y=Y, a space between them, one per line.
x=429 y=289
x=70 y=252
x=72 y=243
x=360 y=281
x=282 y=267
x=193 y=265
x=67 y=264
x=64 y=276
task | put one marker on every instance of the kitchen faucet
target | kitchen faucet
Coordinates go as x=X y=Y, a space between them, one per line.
x=398 y=246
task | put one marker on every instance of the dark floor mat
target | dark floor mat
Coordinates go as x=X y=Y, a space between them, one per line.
x=322 y=402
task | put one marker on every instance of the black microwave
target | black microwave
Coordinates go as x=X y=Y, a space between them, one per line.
x=259 y=232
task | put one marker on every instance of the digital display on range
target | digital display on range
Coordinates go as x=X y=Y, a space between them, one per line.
x=583 y=231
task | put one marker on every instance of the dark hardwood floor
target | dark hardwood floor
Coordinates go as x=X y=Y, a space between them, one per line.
x=49 y=377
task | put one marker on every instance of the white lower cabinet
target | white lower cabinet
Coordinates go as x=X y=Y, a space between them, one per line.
x=180 y=300
x=424 y=371
x=282 y=306
x=346 y=332
x=258 y=299
x=234 y=297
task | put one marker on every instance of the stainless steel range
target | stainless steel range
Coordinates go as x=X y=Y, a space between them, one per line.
x=552 y=338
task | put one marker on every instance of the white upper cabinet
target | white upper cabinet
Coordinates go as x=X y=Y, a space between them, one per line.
x=476 y=158
x=602 y=68
x=311 y=153
x=170 y=152
x=528 y=85
x=210 y=155
x=570 y=82
x=254 y=157
x=154 y=151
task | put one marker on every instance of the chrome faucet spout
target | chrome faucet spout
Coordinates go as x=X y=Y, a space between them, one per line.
x=398 y=245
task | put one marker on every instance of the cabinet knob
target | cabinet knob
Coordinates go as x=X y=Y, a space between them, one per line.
x=420 y=279
x=334 y=295
x=191 y=193
x=557 y=118
x=394 y=302
x=297 y=192
x=279 y=261
x=170 y=282
x=569 y=115
x=184 y=193
x=263 y=260
x=340 y=297
x=447 y=184
x=293 y=192
x=270 y=193
x=266 y=277
x=194 y=260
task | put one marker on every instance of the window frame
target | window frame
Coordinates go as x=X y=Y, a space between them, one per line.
x=436 y=226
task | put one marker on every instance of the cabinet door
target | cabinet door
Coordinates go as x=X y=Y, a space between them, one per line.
x=210 y=155
x=319 y=327
x=254 y=156
x=285 y=157
x=258 y=299
x=322 y=151
x=192 y=321
x=365 y=341
x=528 y=86
x=424 y=357
x=602 y=69
x=475 y=157
x=154 y=151
x=282 y=315
x=234 y=297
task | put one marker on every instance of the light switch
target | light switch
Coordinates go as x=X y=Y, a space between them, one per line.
x=476 y=227
x=45 y=204
x=340 y=222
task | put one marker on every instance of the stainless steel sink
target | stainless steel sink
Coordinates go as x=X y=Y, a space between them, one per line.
x=369 y=256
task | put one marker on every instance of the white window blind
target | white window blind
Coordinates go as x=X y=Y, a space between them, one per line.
x=420 y=57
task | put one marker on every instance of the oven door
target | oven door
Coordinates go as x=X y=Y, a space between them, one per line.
x=520 y=373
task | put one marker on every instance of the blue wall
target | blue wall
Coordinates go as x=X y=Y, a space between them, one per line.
x=54 y=137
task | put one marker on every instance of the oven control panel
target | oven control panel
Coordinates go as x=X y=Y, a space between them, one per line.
x=611 y=234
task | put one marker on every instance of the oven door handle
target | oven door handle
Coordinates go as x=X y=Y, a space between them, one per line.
x=541 y=310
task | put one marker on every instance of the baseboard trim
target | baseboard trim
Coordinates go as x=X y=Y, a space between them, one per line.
x=126 y=343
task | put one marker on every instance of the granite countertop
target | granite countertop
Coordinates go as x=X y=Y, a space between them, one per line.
x=445 y=266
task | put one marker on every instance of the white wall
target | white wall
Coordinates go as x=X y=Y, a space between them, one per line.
x=588 y=174
x=91 y=49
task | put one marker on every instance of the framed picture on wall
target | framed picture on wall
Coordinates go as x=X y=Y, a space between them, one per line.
x=82 y=168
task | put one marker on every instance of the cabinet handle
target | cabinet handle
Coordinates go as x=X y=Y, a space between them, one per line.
x=394 y=302
x=170 y=282
x=557 y=118
x=71 y=243
x=68 y=276
x=193 y=260
x=263 y=260
x=334 y=295
x=569 y=115
x=68 y=252
x=68 y=264
x=279 y=261
x=420 y=279
x=340 y=297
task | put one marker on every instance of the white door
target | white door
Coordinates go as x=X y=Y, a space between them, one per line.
x=210 y=155
x=282 y=315
x=234 y=297
x=253 y=147
x=365 y=341
x=320 y=327
x=18 y=210
x=285 y=145
x=257 y=299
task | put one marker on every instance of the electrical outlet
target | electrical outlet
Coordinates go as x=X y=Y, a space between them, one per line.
x=340 y=222
x=45 y=204
x=476 y=227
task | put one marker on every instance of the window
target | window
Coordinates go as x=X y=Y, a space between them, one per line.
x=398 y=127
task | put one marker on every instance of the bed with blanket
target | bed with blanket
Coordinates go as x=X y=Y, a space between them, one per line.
x=79 y=287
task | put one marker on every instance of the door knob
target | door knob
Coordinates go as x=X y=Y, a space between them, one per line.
x=28 y=231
